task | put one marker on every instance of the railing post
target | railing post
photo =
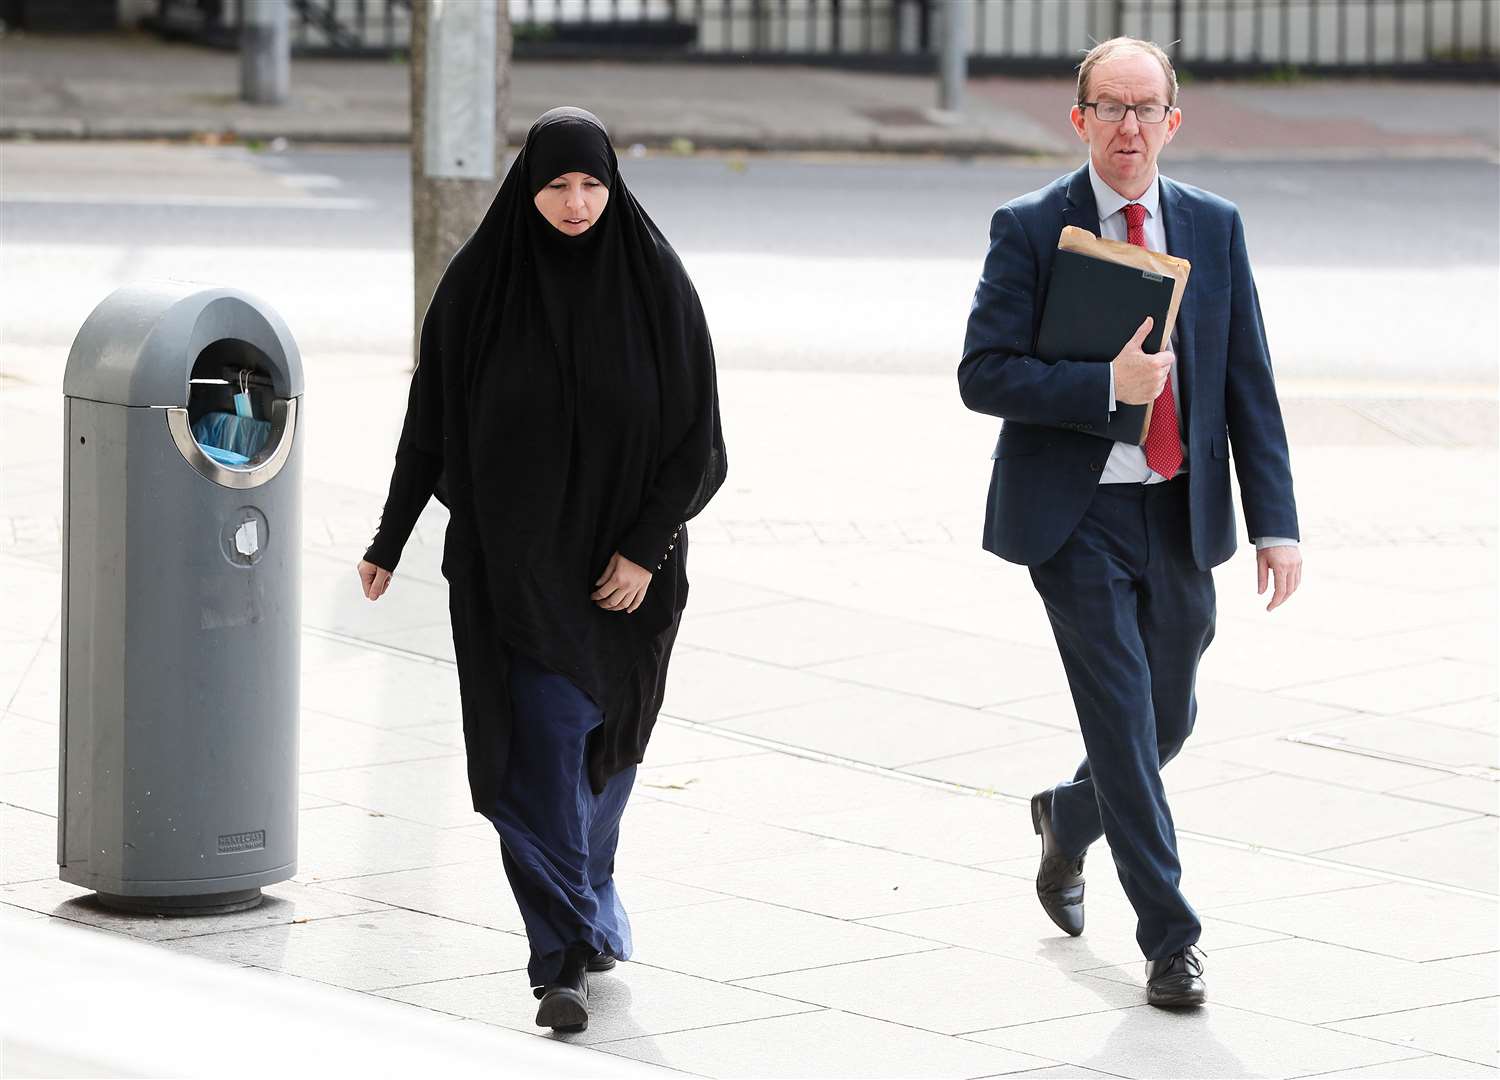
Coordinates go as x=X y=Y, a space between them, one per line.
x=265 y=52
x=953 y=62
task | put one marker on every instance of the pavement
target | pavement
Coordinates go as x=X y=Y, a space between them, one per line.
x=828 y=856
x=132 y=86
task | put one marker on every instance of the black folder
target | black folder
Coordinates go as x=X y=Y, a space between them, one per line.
x=1093 y=308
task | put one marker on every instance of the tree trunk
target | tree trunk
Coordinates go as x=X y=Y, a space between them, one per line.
x=446 y=210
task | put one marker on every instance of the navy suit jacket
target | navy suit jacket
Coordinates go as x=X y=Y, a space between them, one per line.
x=1046 y=466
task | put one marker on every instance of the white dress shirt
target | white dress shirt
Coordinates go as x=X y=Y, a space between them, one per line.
x=1127 y=462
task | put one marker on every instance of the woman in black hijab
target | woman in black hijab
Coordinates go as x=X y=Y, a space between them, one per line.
x=565 y=408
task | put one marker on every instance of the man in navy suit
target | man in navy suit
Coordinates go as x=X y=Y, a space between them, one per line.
x=1121 y=539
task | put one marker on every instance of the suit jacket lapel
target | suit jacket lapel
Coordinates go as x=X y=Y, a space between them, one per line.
x=1182 y=242
x=1081 y=209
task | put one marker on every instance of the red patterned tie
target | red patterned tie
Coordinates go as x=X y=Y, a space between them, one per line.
x=1163 y=444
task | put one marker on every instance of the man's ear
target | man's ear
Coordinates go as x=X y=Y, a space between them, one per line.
x=1077 y=116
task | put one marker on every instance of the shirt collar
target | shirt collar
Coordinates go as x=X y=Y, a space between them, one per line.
x=1110 y=202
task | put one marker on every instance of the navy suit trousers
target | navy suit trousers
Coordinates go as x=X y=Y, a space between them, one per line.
x=1132 y=614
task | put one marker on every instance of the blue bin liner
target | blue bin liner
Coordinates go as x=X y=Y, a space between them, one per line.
x=240 y=436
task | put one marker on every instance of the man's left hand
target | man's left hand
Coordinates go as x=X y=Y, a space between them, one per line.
x=1285 y=562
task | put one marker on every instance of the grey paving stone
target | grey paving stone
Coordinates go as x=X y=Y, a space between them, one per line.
x=1225 y=712
x=284 y=904
x=1217 y=1041
x=846 y=881
x=1415 y=737
x=34 y=790
x=1425 y=1067
x=346 y=841
x=1244 y=654
x=708 y=686
x=799 y=634
x=26 y=744
x=331 y=743
x=714 y=595
x=740 y=939
x=1464 y=854
x=1281 y=753
x=1480 y=714
x=657 y=837
x=966 y=670
x=1405 y=689
x=1393 y=919
x=1058 y=1072
x=373 y=951
x=434 y=791
x=1461 y=792
x=1018 y=929
x=1299 y=815
x=1464 y=1030
x=956 y=828
x=380 y=689
x=1349 y=984
x=821 y=1044
x=775 y=789
x=631 y=1002
x=478 y=893
x=28 y=845
x=880 y=727
x=952 y=990
x=675 y=742
x=1019 y=771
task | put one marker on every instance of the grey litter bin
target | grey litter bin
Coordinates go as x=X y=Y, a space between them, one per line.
x=181 y=603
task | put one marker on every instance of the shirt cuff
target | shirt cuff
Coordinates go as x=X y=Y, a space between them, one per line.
x=1263 y=542
x=1111 y=387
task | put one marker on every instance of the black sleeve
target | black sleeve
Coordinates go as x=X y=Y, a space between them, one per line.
x=413 y=481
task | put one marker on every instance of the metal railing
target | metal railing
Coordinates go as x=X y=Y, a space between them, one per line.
x=1206 y=37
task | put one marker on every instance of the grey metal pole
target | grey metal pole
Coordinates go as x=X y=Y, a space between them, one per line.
x=265 y=52
x=953 y=59
x=460 y=108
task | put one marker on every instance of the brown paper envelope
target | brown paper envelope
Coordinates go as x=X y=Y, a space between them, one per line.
x=1157 y=262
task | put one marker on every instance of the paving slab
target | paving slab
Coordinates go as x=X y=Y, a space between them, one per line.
x=29 y=850
x=951 y=990
x=1218 y=1041
x=1294 y=814
x=371 y=951
x=1464 y=1030
x=740 y=939
x=1425 y=1067
x=636 y=1001
x=1350 y=984
x=825 y=1043
x=846 y=881
x=1393 y=919
x=880 y=727
x=1465 y=854
x=284 y=904
x=1019 y=930
x=707 y=686
x=347 y=841
x=432 y=791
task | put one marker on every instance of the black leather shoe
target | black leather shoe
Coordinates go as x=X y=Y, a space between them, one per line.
x=565 y=1003
x=1059 y=881
x=1176 y=981
x=600 y=962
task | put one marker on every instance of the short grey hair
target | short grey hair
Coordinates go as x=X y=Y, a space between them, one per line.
x=1108 y=50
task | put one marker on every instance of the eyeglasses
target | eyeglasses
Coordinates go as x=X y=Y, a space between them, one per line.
x=1112 y=112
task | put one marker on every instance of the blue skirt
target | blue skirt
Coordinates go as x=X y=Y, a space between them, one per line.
x=557 y=838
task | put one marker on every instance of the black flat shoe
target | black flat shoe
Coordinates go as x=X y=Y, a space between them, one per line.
x=1059 y=880
x=565 y=1003
x=1176 y=981
x=600 y=962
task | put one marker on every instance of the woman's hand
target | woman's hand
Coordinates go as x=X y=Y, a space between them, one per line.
x=622 y=586
x=373 y=581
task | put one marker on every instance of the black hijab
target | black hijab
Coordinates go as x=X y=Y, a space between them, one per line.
x=569 y=384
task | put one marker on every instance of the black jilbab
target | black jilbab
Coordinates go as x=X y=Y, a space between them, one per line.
x=565 y=407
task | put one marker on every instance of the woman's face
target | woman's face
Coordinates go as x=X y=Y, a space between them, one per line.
x=572 y=202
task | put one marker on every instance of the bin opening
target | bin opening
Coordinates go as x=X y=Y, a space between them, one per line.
x=230 y=397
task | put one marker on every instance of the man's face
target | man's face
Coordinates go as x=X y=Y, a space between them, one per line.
x=1124 y=152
